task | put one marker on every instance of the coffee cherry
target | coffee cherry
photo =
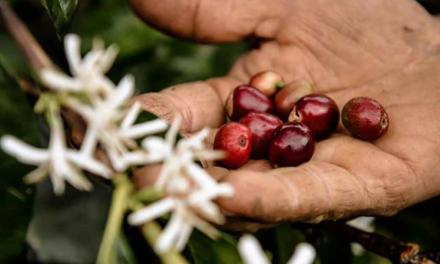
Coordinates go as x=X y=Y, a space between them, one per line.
x=365 y=118
x=287 y=97
x=319 y=112
x=292 y=144
x=261 y=126
x=267 y=82
x=245 y=99
x=235 y=140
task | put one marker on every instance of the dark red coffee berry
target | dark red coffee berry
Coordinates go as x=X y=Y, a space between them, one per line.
x=319 y=112
x=245 y=99
x=262 y=126
x=365 y=118
x=292 y=144
x=268 y=82
x=287 y=97
x=235 y=140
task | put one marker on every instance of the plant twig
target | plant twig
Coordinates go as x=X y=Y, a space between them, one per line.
x=31 y=50
x=121 y=194
x=396 y=251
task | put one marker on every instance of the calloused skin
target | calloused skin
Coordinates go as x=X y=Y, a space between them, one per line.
x=387 y=50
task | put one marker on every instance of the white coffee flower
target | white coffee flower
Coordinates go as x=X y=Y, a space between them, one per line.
x=252 y=253
x=87 y=73
x=189 y=189
x=58 y=162
x=304 y=254
x=111 y=124
x=181 y=157
x=190 y=209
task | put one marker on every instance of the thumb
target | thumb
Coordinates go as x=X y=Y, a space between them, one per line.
x=212 y=21
x=199 y=103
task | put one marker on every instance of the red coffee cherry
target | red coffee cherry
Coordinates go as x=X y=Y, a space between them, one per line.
x=235 y=140
x=365 y=118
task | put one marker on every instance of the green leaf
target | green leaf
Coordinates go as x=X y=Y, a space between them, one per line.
x=287 y=238
x=60 y=12
x=68 y=228
x=220 y=251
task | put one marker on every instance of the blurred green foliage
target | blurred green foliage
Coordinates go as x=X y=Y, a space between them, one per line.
x=68 y=229
x=60 y=11
x=15 y=198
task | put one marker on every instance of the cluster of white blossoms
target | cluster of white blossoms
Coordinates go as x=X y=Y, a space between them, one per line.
x=103 y=105
x=188 y=189
x=252 y=253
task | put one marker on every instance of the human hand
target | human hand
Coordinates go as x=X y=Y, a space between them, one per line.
x=387 y=50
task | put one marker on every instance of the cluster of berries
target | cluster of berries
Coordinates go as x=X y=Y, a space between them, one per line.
x=270 y=120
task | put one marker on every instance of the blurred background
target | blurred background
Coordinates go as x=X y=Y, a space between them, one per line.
x=37 y=227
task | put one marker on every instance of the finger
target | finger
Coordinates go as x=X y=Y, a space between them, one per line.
x=212 y=21
x=146 y=176
x=345 y=177
x=200 y=103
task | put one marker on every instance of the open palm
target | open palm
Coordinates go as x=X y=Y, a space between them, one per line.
x=387 y=50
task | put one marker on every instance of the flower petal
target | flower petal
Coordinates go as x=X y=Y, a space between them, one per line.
x=179 y=185
x=151 y=212
x=122 y=93
x=88 y=163
x=209 y=211
x=90 y=63
x=143 y=129
x=22 y=151
x=59 y=81
x=210 y=154
x=72 y=48
x=136 y=158
x=156 y=147
x=170 y=235
x=76 y=178
x=118 y=163
x=84 y=110
x=90 y=141
x=73 y=176
x=199 y=175
x=108 y=58
x=251 y=251
x=131 y=116
x=304 y=254
x=36 y=175
x=164 y=175
x=185 y=234
x=171 y=135
x=58 y=184
x=196 y=141
x=203 y=226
